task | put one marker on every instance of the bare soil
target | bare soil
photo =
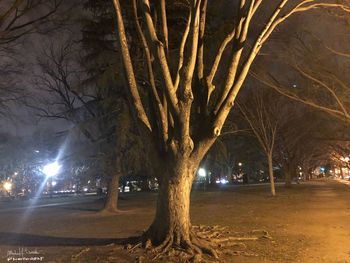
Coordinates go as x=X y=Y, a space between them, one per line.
x=309 y=223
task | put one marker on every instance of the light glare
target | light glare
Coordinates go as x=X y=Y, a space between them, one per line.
x=202 y=172
x=8 y=186
x=51 y=169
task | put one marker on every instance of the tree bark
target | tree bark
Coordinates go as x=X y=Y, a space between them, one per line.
x=288 y=179
x=272 y=180
x=111 y=202
x=289 y=174
x=341 y=172
x=171 y=226
x=172 y=220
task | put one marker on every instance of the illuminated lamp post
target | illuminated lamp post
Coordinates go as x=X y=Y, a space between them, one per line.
x=203 y=174
x=51 y=170
x=8 y=187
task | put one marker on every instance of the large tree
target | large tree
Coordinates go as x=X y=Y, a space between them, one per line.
x=191 y=93
x=97 y=110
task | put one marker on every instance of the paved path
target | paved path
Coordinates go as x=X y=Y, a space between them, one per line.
x=327 y=222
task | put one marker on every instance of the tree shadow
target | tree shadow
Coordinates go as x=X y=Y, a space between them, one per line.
x=74 y=208
x=22 y=239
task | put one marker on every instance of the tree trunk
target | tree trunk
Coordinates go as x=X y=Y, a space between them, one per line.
x=111 y=202
x=341 y=172
x=272 y=180
x=172 y=220
x=171 y=226
x=288 y=179
x=289 y=174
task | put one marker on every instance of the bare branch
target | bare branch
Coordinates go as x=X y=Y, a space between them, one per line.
x=181 y=51
x=200 y=56
x=158 y=52
x=293 y=96
x=161 y=111
x=129 y=71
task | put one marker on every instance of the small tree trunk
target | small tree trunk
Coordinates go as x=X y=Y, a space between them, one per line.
x=289 y=174
x=272 y=180
x=111 y=203
x=341 y=172
x=288 y=179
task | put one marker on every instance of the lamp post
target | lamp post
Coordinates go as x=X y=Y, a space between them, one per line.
x=8 y=187
x=51 y=170
x=203 y=174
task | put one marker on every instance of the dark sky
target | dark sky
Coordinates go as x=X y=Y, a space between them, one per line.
x=22 y=120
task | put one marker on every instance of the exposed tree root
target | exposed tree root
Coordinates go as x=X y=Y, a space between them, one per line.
x=131 y=248
x=203 y=241
x=81 y=253
x=165 y=245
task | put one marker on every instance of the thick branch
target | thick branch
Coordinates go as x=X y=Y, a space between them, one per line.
x=159 y=53
x=238 y=46
x=160 y=110
x=128 y=67
x=200 y=57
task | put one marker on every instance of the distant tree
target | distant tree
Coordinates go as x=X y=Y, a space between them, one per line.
x=319 y=81
x=340 y=157
x=264 y=111
x=22 y=159
x=97 y=112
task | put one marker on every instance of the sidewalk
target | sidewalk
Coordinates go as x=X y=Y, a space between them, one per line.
x=343 y=181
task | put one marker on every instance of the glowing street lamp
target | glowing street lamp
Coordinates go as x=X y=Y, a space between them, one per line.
x=202 y=172
x=8 y=186
x=51 y=169
x=240 y=164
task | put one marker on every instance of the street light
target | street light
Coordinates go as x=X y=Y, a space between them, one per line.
x=240 y=164
x=8 y=186
x=51 y=169
x=202 y=172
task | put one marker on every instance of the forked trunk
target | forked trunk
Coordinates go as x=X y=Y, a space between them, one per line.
x=111 y=202
x=272 y=180
x=172 y=221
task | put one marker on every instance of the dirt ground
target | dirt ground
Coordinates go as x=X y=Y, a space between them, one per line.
x=308 y=223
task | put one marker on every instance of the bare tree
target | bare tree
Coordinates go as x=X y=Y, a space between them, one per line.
x=319 y=81
x=190 y=100
x=102 y=117
x=263 y=113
